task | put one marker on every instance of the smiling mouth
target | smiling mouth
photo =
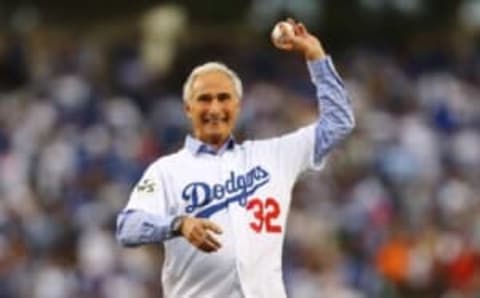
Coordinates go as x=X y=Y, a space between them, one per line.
x=215 y=120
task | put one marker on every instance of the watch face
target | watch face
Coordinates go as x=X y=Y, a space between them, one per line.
x=176 y=224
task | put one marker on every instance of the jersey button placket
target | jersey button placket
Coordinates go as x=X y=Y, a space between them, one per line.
x=237 y=215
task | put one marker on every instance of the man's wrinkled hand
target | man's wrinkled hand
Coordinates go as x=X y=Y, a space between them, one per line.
x=301 y=41
x=199 y=232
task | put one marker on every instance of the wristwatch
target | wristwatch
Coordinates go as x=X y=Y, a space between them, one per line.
x=176 y=225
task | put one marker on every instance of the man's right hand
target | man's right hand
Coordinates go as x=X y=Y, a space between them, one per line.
x=198 y=231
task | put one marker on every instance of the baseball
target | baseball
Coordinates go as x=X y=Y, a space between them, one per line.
x=277 y=33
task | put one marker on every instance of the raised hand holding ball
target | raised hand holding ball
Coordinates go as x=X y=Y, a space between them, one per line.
x=282 y=31
x=290 y=35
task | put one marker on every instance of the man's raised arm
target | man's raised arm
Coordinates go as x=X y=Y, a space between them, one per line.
x=336 y=119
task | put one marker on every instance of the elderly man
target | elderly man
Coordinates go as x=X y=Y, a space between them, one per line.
x=219 y=207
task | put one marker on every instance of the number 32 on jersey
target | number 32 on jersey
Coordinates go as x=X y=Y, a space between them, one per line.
x=265 y=213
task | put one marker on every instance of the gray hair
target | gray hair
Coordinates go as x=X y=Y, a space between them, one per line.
x=207 y=67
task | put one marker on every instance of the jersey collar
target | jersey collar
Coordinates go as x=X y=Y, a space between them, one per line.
x=196 y=146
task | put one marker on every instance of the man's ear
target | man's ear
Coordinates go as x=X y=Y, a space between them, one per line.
x=188 y=109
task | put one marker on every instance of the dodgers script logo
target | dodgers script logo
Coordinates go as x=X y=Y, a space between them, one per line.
x=213 y=198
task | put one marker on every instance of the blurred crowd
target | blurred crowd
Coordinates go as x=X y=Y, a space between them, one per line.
x=396 y=212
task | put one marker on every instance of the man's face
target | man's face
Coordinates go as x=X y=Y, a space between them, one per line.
x=213 y=107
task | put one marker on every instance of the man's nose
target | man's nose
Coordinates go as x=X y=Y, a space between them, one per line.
x=215 y=106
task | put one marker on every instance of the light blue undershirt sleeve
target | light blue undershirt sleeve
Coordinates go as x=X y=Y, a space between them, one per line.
x=336 y=119
x=136 y=227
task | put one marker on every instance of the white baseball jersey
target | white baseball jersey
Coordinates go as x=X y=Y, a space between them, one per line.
x=244 y=188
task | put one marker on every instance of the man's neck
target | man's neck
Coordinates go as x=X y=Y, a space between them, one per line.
x=204 y=146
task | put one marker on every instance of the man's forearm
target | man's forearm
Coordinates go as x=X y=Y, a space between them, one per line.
x=336 y=119
x=136 y=227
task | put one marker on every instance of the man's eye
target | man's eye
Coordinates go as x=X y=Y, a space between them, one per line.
x=224 y=96
x=204 y=98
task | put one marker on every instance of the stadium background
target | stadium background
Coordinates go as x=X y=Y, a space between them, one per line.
x=90 y=94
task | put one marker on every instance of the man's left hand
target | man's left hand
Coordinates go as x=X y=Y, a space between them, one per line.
x=301 y=41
